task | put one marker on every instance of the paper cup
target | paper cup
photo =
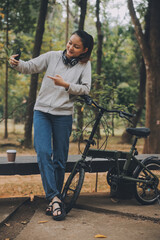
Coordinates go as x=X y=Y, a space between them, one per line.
x=11 y=154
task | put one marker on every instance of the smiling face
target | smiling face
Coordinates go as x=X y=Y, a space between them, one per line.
x=75 y=47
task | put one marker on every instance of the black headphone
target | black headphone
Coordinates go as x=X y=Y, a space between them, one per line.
x=71 y=62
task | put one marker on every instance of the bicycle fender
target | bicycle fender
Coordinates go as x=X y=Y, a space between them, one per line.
x=143 y=162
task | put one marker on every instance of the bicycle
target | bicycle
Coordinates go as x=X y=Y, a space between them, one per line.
x=142 y=175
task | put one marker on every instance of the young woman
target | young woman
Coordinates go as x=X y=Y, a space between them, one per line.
x=67 y=74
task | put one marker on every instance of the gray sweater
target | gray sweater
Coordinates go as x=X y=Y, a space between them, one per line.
x=56 y=99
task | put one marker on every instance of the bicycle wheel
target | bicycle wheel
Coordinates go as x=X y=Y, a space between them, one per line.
x=148 y=193
x=72 y=188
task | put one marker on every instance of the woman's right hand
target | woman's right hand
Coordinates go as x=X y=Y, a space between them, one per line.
x=13 y=61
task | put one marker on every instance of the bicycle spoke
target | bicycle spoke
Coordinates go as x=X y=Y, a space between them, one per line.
x=147 y=191
x=73 y=190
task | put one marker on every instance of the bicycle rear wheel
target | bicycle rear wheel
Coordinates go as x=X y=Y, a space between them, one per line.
x=73 y=187
x=148 y=192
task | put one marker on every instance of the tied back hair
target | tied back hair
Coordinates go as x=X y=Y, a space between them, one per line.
x=87 y=41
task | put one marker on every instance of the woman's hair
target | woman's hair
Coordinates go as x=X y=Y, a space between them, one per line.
x=88 y=42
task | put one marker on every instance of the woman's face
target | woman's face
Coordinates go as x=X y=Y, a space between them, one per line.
x=75 y=47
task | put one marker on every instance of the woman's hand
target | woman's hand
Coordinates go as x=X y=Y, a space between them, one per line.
x=59 y=81
x=13 y=61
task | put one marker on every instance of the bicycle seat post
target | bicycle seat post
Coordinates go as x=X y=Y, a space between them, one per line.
x=133 y=147
x=129 y=156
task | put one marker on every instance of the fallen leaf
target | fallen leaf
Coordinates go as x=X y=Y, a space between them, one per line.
x=31 y=195
x=8 y=224
x=42 y=221
x=115 y=200
x=7 y=238
x=24 y=222
x=100 y=236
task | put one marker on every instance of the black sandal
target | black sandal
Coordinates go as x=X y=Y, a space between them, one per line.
x=49 y=209
x=59 y=209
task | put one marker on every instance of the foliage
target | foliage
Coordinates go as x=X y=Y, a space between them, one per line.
x=22 y=14
x=126 y=96
x=120 y=61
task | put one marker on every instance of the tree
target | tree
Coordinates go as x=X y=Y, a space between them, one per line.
x=6 y=83
x=151 y=54
x=8 y=21
x=34 y=77
x=99 y=57
x=83 y=6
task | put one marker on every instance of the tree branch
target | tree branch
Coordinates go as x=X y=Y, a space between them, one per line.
x=138 y=31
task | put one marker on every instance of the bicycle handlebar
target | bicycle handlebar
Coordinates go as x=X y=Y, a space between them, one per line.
x=89 y=101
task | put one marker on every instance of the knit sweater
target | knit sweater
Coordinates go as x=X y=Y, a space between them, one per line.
x=56 y=99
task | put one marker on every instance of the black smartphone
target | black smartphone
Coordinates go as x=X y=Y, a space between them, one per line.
x=19 y=54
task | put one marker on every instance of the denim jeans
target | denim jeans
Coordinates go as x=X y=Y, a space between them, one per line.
x=51 y=142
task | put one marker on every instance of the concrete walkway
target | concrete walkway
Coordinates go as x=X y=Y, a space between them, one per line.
x=96 y=213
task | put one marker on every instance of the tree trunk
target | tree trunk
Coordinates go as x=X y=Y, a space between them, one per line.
x=153 y=83
x=34 y=77
x=67 y=21
x=99 y=58
x=151 y=54
x=83 y=6
x=100 y=39
x=6 y=82
x=126 y=137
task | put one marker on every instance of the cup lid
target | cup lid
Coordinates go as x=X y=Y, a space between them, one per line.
x=11 y=151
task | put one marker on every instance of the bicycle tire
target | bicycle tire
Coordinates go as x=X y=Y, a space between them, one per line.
x=145 y=193
x=72 y=188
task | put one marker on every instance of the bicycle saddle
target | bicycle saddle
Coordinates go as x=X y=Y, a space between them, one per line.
x=139 y=132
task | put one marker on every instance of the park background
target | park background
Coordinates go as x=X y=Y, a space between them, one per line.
x=125 y=72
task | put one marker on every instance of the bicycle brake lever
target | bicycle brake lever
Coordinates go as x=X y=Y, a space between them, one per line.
x=129 y=120
x=124 y=116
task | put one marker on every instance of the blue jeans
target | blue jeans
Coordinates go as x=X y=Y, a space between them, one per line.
x=51 y=142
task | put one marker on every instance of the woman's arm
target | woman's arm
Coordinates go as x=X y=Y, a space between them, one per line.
x=84 y=85
x=35 y=65
x=59 y=81
x=81 y=88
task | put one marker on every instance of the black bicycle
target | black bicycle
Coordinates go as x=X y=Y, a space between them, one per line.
x=143 y=176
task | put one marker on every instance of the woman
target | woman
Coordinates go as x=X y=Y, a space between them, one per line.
x=67 y=73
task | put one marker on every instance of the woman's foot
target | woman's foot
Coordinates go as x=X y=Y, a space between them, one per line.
x=56 y=209
x=49 y=209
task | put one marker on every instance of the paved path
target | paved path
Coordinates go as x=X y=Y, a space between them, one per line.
x=96 y=214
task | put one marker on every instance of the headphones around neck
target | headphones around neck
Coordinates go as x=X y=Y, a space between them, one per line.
x=71 y=62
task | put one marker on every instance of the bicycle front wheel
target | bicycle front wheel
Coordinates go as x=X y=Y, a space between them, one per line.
x=148 y=192
x=72 y=188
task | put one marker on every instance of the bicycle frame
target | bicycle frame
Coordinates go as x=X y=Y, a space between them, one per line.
x=116 y=154
x=130 y=170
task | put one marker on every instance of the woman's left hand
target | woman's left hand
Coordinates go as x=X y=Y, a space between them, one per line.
x=59 y=81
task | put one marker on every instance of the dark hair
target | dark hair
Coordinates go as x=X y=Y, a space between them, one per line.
x=88 y=42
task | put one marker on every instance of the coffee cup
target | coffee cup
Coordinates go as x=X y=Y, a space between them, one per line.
x=11 y=154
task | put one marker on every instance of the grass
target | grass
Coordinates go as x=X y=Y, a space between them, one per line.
x=22 y=186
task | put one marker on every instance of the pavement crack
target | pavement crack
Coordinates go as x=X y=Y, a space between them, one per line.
x=18 y=220
x=118 y=213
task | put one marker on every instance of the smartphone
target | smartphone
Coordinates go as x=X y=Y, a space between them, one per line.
x=19 y=54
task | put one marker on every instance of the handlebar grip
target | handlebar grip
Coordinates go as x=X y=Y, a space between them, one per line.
x=121 y=114
x=87 y=98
